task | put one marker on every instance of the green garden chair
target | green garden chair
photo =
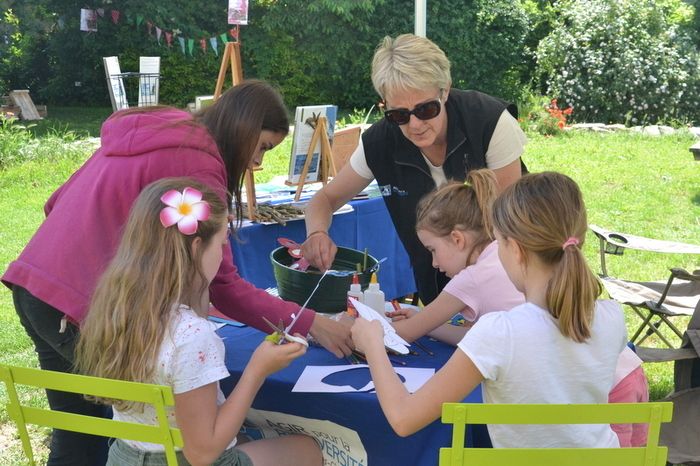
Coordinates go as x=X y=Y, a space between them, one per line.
x=461 y=414
x=22 y=414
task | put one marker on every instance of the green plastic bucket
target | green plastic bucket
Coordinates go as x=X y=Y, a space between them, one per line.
x=331 y=296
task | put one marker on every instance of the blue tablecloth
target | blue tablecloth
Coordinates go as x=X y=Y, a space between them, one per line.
x=368 y=226
x=357 y=411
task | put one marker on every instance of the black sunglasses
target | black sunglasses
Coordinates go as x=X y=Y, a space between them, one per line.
x=426 y=111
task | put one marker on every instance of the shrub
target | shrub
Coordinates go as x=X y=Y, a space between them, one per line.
x=315 y=51
x=542 y=115
x=621 y=61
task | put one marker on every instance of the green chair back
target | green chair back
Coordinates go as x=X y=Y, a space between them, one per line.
x=461 y=414
x=157 y=395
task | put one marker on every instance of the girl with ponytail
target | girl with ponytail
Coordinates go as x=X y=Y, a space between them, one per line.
x=454 y=224
x=560 y=346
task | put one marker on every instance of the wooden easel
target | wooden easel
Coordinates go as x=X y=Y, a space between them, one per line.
x=232 y=59
x=326 y=164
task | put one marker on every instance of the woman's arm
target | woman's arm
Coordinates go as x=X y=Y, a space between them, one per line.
x=509 y=174
x=407 y=413
x=319 y=249
x=207 y=429
x=430 y=318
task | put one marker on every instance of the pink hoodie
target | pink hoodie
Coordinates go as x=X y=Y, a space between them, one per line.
x=85 y=216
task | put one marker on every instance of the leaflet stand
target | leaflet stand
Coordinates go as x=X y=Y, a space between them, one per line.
x=232 y=58
x=326 y=164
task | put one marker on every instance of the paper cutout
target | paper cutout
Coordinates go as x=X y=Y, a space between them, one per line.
x=323 y=379
x=392 y=340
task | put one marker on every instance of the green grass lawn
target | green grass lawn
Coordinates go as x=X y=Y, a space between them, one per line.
x=638 y=184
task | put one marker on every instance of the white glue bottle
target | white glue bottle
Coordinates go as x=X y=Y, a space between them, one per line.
x=356 y=289
x=374 y=297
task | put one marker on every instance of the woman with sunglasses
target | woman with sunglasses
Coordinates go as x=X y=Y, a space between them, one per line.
x=430 y=134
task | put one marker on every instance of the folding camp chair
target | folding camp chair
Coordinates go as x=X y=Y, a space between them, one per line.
x=157 y=395
x=682 y=434
x=655 y=302
x=461 y=414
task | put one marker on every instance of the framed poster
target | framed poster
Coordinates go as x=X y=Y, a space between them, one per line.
x=305 y=119
x=237 y=11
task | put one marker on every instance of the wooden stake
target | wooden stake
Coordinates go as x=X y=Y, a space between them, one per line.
x=232 y=58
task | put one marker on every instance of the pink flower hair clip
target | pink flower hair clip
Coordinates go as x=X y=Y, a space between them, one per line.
x=185 y=209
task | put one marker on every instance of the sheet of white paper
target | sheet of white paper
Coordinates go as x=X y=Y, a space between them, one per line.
x=311 y=380
x=392 y=339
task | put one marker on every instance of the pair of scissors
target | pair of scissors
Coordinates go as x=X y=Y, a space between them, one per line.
x=279 y=335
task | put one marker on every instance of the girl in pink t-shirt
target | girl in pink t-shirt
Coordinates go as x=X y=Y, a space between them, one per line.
x=454 y=224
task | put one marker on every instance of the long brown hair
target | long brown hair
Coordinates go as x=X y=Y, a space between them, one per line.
x=155 y=268
x=541 y=212
x=461 y=206
x=236 y=120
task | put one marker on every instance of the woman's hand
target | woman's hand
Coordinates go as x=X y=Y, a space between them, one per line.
x=401 y=313
x=269 y=357
x=332 y=335
x=319 y=249
x=367 y=334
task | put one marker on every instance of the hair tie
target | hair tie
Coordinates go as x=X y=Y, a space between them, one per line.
x=185 y=209
x=569 y=242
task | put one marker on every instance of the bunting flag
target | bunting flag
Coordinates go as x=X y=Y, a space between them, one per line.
x=234 y=33
x=89 y=19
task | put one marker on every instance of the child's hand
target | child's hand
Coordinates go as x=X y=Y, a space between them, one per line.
x=269 y=357
x=367 y=333
x=401 y=314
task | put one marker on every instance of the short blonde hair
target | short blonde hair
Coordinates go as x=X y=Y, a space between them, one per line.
x=409 y=62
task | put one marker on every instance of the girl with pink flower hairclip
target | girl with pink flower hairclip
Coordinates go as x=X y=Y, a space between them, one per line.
x=148 y=323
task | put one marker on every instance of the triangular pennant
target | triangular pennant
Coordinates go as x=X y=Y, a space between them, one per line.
x=214 y=45
x=169 y=38
x=139 y=20
x=101 y=12
x=190 y=46
x=182 y=44
x=234 y=33
x=223 y=38
x=159 y=31
x=115 y=16
x=203 y=45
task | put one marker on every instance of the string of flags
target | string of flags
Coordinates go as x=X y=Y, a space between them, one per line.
x=89 y=19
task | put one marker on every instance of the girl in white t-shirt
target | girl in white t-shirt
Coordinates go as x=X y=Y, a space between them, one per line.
x=561 y=346
x=454 y=224
x=147 y=323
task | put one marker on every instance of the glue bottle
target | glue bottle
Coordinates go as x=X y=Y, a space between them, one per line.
x=374 y=297
x=356 y=289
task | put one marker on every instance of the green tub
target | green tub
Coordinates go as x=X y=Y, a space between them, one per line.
x=294 y=285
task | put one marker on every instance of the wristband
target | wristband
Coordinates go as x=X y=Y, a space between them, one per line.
x=317 y=232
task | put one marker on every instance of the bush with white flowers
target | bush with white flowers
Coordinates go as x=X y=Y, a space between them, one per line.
x=622 y=61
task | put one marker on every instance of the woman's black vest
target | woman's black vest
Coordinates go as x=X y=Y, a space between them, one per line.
x=404 y=177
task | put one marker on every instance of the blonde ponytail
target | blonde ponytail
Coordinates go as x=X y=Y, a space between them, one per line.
x=546 y=215
x=461 y=206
